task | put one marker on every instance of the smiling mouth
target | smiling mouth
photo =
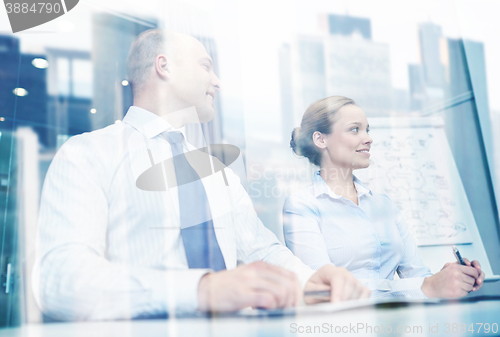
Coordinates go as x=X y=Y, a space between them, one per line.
x=365 y=152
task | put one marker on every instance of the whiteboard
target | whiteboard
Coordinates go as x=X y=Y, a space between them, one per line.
x=412 y=163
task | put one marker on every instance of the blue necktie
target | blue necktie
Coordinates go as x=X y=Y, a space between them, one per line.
x=197 y=228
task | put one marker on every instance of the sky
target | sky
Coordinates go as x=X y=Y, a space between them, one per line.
x=249 y=33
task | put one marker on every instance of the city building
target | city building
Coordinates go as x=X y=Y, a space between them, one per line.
x=359 y=69
x=341 y=61
x=427 y=79
x=286 y=92
x=345 y=25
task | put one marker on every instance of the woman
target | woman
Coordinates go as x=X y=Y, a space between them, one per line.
x=338 y=220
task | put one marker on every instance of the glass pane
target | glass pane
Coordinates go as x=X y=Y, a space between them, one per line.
x=82 y=78
x=429 y=64
x=63 y=76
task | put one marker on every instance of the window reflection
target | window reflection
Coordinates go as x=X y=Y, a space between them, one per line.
x=74 y=80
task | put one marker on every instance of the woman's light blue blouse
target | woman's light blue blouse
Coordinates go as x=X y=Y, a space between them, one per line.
x=371 y=240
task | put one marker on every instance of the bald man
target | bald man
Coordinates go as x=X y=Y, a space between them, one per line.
x=107 y=249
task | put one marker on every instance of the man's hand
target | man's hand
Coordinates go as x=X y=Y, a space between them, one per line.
x=454 y=280
x=343 y=285
x=258 y=285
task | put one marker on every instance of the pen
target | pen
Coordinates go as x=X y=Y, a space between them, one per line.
x=317 y=293
x=458 y=256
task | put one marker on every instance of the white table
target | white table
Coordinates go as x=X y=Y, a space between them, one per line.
x=353 y=322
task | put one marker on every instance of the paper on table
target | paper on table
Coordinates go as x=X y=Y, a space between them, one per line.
x=326 y=307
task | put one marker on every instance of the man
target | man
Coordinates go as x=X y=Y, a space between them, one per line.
x=107 y=249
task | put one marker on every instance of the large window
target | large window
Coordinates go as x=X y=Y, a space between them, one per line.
x=426 y=61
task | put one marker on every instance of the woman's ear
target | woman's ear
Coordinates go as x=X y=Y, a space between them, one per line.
x=319 y=140
x=162 y=66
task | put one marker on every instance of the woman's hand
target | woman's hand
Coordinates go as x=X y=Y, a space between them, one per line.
x=480 y=279
x=454 y=280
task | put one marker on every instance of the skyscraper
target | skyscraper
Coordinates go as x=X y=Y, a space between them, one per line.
x=344 y=62
x=359 y=69
x=311 y=63
x=417 y=86
x=427 y=80
x=286 y=92
x=346 y=25
x=429 y=38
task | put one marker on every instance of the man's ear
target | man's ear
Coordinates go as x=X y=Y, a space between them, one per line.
x=162 y=66
x=319 y=140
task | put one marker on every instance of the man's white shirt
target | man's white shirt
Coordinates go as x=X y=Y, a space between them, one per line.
x=109 y=250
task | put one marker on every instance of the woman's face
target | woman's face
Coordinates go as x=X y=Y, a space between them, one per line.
x=348 y=146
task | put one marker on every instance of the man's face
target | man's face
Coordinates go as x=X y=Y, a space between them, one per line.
x=193 y=80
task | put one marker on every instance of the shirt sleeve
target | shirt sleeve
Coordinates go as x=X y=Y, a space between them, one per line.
x=411 y=265
x=403 y=288
x=411 y=269
x=72 y=278
x=255 y=242
x=301 y=229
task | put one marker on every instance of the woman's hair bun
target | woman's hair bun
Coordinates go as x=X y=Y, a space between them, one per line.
x=294 y=140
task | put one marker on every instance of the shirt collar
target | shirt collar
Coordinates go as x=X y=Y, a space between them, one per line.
x=148 y=123
x=360 y=188
x=320 y=187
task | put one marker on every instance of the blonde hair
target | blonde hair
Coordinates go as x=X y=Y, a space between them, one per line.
x=319 y=116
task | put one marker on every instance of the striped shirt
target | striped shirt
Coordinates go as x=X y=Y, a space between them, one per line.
x=109 y=250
